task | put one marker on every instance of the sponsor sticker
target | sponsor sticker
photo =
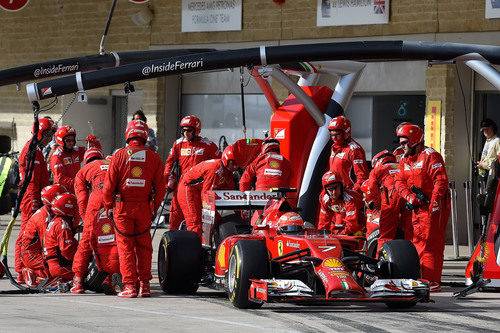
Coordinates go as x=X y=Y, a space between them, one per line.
x=272 y=172
x=332 y=262
x=279 y=133
x=222 y=256
x=46 y=91
x=106 y=228
x=136 y=172
x=106 y=239
x=274 y=164
x=135 y=182
x=294 y=245
x=140 y=156
x=185 y=151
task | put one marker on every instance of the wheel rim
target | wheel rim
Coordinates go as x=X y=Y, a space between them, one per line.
x=231 y=276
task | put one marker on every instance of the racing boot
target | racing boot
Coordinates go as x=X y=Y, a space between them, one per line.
x=107 y=286
x=128 y=291
x=144 y=290
x=77 y=287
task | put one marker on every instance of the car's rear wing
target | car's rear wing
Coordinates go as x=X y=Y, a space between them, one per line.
x=238 y=200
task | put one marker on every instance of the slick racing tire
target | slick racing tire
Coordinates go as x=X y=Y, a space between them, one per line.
x=248 y=260
x=179 y=262
x=229 y=226
x=371 y=251
x=403 y=262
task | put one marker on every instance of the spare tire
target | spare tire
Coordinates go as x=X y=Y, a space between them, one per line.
x=179 y=262
x=94 y=278
x=230 y=225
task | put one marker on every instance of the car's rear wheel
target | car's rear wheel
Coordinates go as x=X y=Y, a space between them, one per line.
x=248 y=260
x=403 y=263
x=179 y=262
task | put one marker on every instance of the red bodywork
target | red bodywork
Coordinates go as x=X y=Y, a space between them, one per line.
x=491 y=263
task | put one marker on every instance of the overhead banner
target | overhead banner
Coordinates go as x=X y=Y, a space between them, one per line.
x=211 y=15
x=351 y=12
x=492 y=9
x=433 y=125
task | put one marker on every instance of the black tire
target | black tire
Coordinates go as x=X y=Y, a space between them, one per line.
x=372 y=242
x=404 y=263
x=403 y=259
x=179 y=262
x=250 y=259
x=230 y=225
x=94 y=278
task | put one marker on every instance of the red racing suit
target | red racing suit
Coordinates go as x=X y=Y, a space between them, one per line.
x=103 y=243
x=381 y=183
x=188 y=154
x=31 y=200
x=59 y=248
x=65 y=165
x=427 y=171
x=206 y=176
x=346 y=211
x=270 y=170
x=349 y=155
x=88 y=187
x=31 y=247
x=135 y=173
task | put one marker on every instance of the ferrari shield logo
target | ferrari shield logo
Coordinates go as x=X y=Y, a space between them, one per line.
x=280 y=248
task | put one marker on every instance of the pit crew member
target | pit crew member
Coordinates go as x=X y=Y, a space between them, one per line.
x=31 y=201
x=187 y=151
x=341 y=208
x=135 y=173
x=347 y=154
x=208 y=175
x=423 y=183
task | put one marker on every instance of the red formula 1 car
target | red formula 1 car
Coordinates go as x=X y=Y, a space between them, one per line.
x=264 y=265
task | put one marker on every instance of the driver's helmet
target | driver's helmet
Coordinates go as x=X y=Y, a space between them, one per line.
x=291 y=223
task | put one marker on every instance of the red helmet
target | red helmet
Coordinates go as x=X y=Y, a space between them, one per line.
x=63 y=132
x=413 y=133
x=401 y=125
x=137 y=129
x=50 y=192
x=192 y=121
x=64 y=205
x=291 y=223
x=368 y=193
x=383 y=157
x=92 y=153
x=44 y=124
x=270 y=145
x=331 y=177
x=227 y=155
x=340 y=123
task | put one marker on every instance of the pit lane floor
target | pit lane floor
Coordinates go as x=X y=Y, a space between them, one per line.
x=210 y=311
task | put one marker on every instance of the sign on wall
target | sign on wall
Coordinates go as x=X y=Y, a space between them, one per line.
x=492 y=9
x=350 y=12
x=211 y=15
x=433 y=125
x=13 y=5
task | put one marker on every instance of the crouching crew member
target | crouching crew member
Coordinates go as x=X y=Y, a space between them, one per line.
x=31 y=248
x=423 y=183
x=208 y=175
x=341 y=209
x=135 y=173
x=59 y=244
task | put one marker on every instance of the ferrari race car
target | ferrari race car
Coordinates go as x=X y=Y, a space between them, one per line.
x=258 y=264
